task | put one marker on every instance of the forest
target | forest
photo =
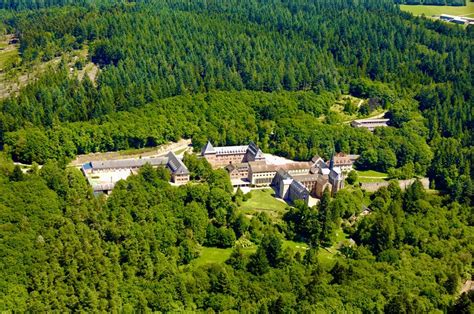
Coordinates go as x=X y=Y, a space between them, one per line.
x=433 y=2
x=63 y=248
x=230 y=72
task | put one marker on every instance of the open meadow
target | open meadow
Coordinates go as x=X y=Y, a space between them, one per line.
x=430 y=10
x=263 y=201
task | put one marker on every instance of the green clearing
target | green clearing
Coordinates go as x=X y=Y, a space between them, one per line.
x=211 y=255
x=343 y=117
x=326 y=255
x=372 y=173
x=135 y=151
x=263 y=201
x=8 y=56
x=370 y=176
x=370 y=180
x=430 y=10
x=295 y=246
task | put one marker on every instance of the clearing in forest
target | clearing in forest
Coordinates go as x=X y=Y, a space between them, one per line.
x=430 y=10
x=370 y=176
x=177 y=147
x=264 y=201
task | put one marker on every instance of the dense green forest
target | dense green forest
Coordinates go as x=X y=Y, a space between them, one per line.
x=62 y=248
x=182 y=48
x=230 y=72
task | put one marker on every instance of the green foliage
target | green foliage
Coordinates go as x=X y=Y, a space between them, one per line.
x=266 y=71
x=127 y=251
x=352 y=177
x=258 y=262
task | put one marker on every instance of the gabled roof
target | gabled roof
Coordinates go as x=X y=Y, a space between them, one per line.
x=176 y=165
x=298 y=187
x=283 y=174
x=342 y=159
x=316 y=158
x=259 y=166
x=239 y=166
x=230 y=167
x=208 y=149
x=336 y=173
x=127 y=163
x=325 y=171
x=353 y=157
x=306 y=177
x=254 y=151
x=231 y=150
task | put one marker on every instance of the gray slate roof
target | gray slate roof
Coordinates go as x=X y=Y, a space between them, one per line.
x=255 y=152
x=208 y=149
x=298 y=187
x=231 y=150
x=176 y=165
x=128 y=163
x=336 y=173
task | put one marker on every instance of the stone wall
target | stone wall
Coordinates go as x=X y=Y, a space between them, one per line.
x=374 y=186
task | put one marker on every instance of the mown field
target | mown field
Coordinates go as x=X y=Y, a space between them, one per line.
x=264 y=201
x=430 y=10
x=210 y=255
x=369 y=176
x=8 y=53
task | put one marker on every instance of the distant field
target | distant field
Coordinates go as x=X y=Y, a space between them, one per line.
x=430 y=10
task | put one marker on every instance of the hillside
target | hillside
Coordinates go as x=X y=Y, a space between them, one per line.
x=120 y=78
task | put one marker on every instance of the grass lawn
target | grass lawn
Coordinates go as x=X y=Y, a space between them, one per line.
x=8 y=56
x=296 y=246
x=264 y=200
x=326 y=259
x=370 y=176
x=326 y=255
x=212 y=255
x=371 y=173
x=430 y=10
x=134 y=151
x=370 y=180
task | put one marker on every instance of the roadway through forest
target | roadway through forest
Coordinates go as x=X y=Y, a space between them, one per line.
x=180 y=146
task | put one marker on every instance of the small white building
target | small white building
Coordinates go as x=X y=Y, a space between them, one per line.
x=370 y=124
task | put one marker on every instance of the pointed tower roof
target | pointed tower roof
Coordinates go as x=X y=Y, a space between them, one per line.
x=331 y=162
x=255 y=152
x=208 y=149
